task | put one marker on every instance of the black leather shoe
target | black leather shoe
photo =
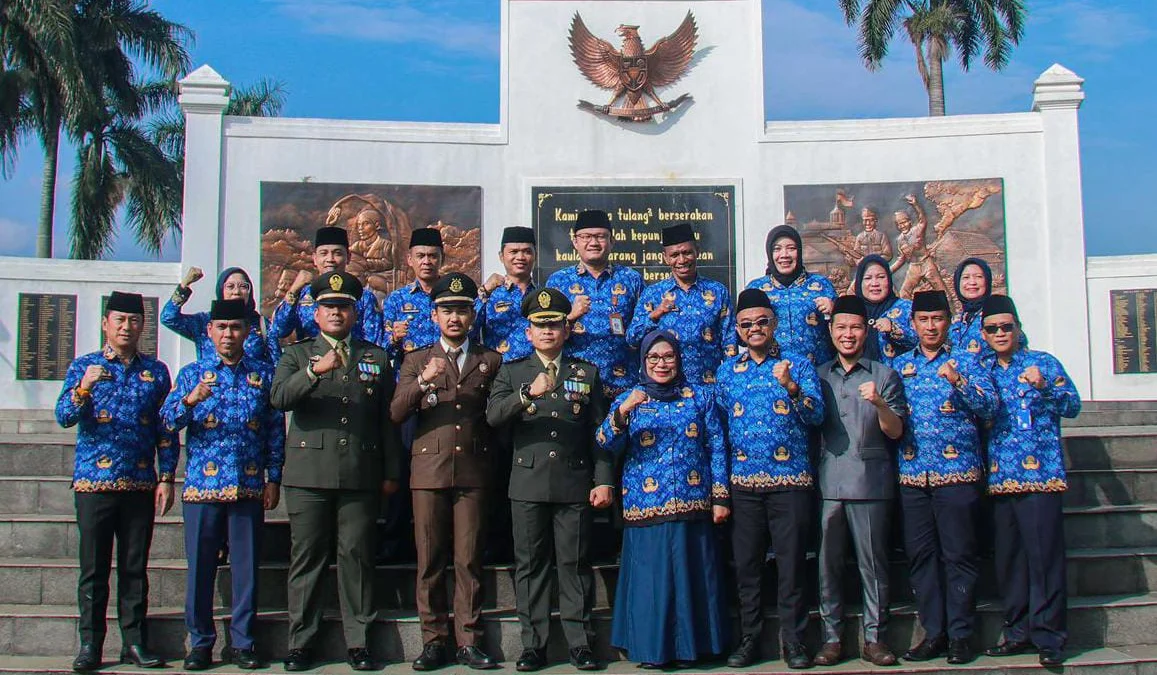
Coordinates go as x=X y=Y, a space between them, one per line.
x=141 y=657
x=87 y=658
x=298 y=660
x=475 y=658
x=1010 y=649
x=795 y=656
x=927 y=650
x=745 y=654
x=199 y=658
x=584 y=659
x=359 y=659
x=1051 y=657
x=246 y=659
x=960 y=651
x=531 y=660
x=433 y=657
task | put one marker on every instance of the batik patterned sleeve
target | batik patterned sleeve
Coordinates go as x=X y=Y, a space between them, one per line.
x=809 y=405
x=727 y=325
x=70 y=406
x=1059 y=393
x=185 y=325
x=175 y=415
x=976 y=389
x=610 y=436
x=168 y=442
x=274 y=426
x=717 y=446
x=641 y=323
x=284 y=320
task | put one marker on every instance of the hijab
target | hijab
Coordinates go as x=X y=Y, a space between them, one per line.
x=779 y=233
x=661 y=392
x=224 y=276
x=876 y=310
x=971 y=307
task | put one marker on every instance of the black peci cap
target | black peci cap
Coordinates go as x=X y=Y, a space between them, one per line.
x=930 y=301
x=850 y=304
x=591 y=219
x=129 y=303
x=331 y=236
x=518 y=235
x=425 y=236
x=229 y=310
x=999 y=304
x=752 y=297
x=677 y=234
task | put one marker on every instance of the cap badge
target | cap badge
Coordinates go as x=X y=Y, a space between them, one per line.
x=544 y=300
x=456 y=284
x=335 y=282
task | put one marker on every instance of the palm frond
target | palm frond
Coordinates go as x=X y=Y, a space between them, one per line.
x=878 y=24
x=152 y=185
x=97 y=191
x=264 y=98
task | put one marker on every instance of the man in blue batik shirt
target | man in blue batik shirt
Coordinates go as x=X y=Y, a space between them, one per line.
x=940 y=462
x=114 y=396
x=407 y=314
x=1026 y=478
x=697 y=310
x=768 y=398
x=234 y=440
x=603 y=298
x=500 y=322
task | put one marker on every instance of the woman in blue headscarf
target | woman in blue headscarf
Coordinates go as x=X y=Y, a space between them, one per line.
x=232 y=284
x=890 y=331
x=669 y=605
x=973 y=284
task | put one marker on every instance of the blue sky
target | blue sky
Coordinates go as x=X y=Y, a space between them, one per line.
x=437 y=60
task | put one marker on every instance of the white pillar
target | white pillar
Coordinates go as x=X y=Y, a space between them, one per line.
x=1057 y=96
x=203 y=97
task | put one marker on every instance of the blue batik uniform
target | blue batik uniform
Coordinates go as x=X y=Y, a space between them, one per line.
x=409 y=303
x=767 y=428
x=615 y=292
x=258 y=344
x=299 y=317
x=902 y=338
x=119 y=431
x=941 y=443
x=702 y=320
x=500 y=322
x=800 y=328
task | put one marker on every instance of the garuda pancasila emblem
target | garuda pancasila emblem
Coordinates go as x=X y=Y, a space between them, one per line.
x=633 y=72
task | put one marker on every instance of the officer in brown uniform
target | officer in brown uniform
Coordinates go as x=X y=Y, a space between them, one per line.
x=342 y=454
x=445 y=386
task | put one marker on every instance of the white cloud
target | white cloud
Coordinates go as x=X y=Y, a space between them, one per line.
x=1097 y=27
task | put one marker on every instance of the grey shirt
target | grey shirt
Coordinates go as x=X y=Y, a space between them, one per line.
x=857 y=461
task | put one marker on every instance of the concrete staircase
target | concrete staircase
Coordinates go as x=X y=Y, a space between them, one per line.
x=1111 y=526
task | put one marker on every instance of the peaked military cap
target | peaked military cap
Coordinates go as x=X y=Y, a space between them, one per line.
x=546 y=306
x=454 y=289
x=336 y=288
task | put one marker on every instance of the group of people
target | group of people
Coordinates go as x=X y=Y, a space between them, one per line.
x=525 y=408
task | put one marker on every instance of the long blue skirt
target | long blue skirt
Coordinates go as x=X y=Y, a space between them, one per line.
x=670 y=605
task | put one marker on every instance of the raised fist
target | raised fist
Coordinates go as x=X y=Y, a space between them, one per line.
x=824 y=305
x=868 y=393
x=202 y=391
x=303 y=279
x=92 y=375
x=948 y=372
x=1033 y=376
x=636 y=398
x=580 y=306
x=192 y=276
x=434 y=369
x=541 y=384
x=331 y=361
x=782 y=373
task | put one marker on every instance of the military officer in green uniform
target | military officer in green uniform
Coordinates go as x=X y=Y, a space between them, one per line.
x=342 y=454
x=553 y=403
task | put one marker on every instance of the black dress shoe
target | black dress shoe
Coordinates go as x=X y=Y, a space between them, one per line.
x=359 y=659
x=746 y=653
x=246 y=659
x=927 y=650
x=1051 y=657
x=433 y=656
x=1010 y=649
x=475 y=658
x=199 y=658
x=584 y=659
x=795 y=656
x=87 y=658
x=531 y=660
x=960 y=651
x=298 y=660
x=141 y=657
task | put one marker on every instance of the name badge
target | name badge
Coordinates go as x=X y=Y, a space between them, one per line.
x=617 y=324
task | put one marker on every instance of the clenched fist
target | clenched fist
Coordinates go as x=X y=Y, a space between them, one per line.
x=434 y=369
x=636 y=398
x=1034 y=377
x=398 y=331
x=303 y=279
x=202 y=391
x=948 y=372
x=192 y=276
x=92 y=375
x=541 y=384
x=868 y=393
x=331 y=361
x=824 y=305
x=493 y=282
x=665 y=307
x=782 y=373
x=580 y=306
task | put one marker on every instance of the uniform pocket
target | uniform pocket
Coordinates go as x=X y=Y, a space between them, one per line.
x=524 y=458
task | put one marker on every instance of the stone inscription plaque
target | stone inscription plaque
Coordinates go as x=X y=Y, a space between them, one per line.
x=1134 y=340
x=46 y=336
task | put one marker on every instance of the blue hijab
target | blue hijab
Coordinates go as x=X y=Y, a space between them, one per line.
x=661 y=392
x=875 y=309
x=971 y=307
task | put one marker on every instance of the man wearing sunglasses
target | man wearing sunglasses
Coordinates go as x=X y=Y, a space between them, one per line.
x=1027 y=480
x=768 y=399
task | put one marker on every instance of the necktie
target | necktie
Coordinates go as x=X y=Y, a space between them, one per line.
x=552 y=371
x=343 y=352
x=452 y=356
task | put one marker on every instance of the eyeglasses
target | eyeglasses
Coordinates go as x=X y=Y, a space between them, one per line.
x=655 y=359
x=993 y=329
x=586 y=236
x=761 y=321
x=238 y=287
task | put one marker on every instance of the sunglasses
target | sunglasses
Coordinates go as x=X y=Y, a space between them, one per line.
x=993 y=329
x=761 y=321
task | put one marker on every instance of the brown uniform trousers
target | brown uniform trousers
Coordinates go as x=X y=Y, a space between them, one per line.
x=449 y=475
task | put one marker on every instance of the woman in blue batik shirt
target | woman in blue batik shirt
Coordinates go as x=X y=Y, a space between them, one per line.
x=890 y=331
x=669 y=607
x=232 y=284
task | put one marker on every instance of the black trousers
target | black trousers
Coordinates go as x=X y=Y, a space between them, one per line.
x=786 y=516
x=940 y=542
x=1030 y=567
x=127 y=518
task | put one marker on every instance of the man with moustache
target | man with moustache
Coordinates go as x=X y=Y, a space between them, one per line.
x=445 y=386
x=331 y=253
x=234 y=438
x=940 y=459
x=114 y=397
x=341 y=455
x=864 y=411
x=696 y=309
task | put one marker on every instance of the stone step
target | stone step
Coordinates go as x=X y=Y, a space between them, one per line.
x=1104 y=487
x=1112 y=418
x=50 y=630
x=1111 y=526
x=1103 y=406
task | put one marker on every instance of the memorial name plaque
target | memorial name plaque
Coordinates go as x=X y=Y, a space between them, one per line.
x=638 y=215
x=1134 y=340
x=46 y=336
x=148 y=343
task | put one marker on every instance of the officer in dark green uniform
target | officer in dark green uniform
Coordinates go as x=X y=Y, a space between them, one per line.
x=342 y=454
x=553 y=403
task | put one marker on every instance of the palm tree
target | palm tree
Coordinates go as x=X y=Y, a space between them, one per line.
x=935 y=28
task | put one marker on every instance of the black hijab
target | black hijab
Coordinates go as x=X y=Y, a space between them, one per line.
x=971 y=307
x=876 y=310
x=661 y=392
x=779 y=233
